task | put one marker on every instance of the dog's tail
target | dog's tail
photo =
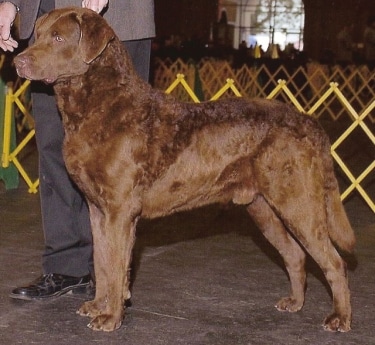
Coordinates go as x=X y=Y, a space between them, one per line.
x=339 y=228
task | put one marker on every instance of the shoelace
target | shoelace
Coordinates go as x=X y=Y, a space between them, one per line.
x=48 y=278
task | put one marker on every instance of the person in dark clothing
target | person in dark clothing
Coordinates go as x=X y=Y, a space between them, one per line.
x=67 y=259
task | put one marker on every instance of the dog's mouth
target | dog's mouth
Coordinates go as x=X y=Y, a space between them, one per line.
x=48 y=80
x=27 y=75
x=23 y=65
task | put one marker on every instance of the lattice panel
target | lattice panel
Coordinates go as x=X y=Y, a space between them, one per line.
x=307 y=83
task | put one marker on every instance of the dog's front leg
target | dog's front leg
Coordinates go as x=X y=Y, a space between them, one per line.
x=119 y=241
x=98 y=305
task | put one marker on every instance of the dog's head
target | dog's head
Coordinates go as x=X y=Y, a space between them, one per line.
x=66 y=42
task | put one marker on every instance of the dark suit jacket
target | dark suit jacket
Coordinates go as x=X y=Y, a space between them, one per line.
x=131 y=19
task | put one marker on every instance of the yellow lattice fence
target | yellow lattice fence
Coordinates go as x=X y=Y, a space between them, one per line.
x=307 y=83
x=17 y=98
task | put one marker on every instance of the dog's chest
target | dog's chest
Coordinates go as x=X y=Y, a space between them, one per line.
x=78 y=156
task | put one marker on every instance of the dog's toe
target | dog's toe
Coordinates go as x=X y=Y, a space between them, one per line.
x=289 y=304
x=337 y=323
x=105 y=323
x=89 y=309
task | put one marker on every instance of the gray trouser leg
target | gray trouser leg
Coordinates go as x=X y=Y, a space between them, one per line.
x=65 y=216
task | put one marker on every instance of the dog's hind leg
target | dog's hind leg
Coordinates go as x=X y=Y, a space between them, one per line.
x=313 y=234
x=299 y=201
x=292 y=253
x=334 y=269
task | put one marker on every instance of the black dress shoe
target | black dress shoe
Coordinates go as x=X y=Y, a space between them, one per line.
x=52 y=285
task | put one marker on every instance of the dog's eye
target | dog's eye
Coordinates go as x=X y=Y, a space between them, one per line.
x=58 y=38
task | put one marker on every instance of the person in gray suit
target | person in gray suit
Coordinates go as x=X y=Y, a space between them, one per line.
x=67 y=259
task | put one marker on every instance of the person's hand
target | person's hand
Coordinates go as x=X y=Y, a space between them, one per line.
x=95 y=5
x=8 y=13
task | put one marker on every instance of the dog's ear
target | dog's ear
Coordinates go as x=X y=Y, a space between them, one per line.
x=95 y=36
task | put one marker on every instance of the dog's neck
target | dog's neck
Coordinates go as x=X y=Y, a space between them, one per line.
x=110 y=70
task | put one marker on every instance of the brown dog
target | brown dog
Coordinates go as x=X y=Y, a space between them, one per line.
x=136 y=152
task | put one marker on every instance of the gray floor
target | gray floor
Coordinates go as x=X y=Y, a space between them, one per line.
x=203 y=277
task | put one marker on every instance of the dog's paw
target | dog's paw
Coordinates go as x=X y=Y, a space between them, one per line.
x=90 y=309
x=105 y=323
x=337 y=323
x=289 y=304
